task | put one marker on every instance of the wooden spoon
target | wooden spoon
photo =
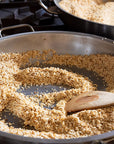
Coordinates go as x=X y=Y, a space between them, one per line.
x=107 y=1
x=90 y=100
x=103 y=1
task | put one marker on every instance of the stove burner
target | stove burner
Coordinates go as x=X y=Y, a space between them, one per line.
x=15 y=16
x=12 y=12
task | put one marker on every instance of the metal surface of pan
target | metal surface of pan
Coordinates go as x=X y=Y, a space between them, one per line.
x=78 y=24
x=62 y=43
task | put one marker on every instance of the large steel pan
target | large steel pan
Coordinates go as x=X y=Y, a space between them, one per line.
x=78 y=24
x=62 y=43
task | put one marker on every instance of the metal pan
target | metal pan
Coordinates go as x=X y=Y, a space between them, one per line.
x=78 y=24
x=62 y=43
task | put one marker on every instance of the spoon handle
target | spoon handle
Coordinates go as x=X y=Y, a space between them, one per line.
x=90 y=100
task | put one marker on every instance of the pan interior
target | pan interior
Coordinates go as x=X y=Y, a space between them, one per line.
x=31 y=90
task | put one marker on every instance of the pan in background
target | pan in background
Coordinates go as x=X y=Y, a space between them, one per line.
x=78 y=24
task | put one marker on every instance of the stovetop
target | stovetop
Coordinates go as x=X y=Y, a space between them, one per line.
x=14 y=12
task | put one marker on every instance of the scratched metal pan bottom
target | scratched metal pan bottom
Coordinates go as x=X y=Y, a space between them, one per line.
x=62 y=43
x=17 y=122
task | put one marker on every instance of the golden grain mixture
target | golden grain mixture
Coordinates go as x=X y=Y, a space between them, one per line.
x=94 y=10
x=18 y=70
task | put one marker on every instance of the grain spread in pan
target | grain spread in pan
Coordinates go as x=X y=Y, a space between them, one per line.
x=93 y=10
x=17 y=70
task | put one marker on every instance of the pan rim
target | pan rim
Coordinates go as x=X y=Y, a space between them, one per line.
x=107 y=135
x=60 y=32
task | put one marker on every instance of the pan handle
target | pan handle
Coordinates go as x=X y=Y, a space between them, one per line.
x=3 y=30
x=105 y=141
x=51 y=10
